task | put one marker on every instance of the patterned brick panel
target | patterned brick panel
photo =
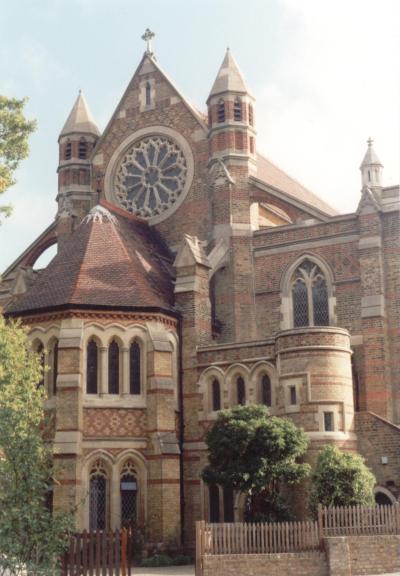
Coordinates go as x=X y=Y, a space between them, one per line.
x=113 y=422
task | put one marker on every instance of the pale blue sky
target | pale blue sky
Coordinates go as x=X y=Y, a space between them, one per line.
x=324 y=74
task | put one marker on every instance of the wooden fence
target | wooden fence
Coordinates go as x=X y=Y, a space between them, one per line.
x=99 y=553
x=281 y=537
x=359 y=520
x=251 y=538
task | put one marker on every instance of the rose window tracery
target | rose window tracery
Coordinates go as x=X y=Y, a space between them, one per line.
x=151 y=176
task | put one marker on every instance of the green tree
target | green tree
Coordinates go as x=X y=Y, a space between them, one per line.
x=255 y=453
x=31 y=538
x=14 y=132
x=341 y=479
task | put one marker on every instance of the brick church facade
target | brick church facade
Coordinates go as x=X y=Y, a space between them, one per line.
x=192 y=274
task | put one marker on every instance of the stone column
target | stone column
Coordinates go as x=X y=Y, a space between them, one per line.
x=163 y=456
x=69 y=416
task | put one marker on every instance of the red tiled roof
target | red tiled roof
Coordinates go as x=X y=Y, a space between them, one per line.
x=105 y=263
x=276 y=178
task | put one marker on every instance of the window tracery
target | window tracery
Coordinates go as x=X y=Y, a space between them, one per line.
x=309 y=296
x=151 y=176
x=128 y=489
x=98 y=496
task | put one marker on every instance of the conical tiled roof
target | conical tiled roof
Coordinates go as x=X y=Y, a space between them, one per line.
x=80 y=119
x=229 y=77
x=111 y=260
x=370 y=157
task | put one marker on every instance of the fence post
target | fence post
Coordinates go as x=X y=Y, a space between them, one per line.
x=200 y=546
x=397 y=517
x=124 y=542
x=320 y=525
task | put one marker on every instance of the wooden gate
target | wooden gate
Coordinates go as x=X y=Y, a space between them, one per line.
x=99 y=553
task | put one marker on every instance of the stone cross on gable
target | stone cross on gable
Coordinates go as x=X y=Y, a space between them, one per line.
x=147 y=37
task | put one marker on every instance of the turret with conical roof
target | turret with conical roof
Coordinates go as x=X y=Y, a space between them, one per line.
x=231 y=114
x=76 y=143
x=371 y=168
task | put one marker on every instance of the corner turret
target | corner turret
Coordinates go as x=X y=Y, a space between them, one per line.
x=76 y=143
x=371 y=168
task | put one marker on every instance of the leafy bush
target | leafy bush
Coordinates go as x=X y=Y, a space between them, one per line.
x=156 y=561
x=341 y=479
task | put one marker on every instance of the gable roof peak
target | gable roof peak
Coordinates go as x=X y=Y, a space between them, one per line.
x=80 y=119
x=229 y=77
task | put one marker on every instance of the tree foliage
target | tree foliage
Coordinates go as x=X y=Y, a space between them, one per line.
x=14 y=132
x=31 y=538
x=253 y=452
x=341 y=479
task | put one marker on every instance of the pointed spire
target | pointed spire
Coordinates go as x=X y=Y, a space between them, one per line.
x=80 y=119
x=371 y=167
x=229 y=77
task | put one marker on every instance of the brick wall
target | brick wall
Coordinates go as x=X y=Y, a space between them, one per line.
x=302 y=564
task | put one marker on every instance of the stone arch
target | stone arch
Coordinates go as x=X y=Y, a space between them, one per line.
x=205 y=382
x=108 y=462
x=256 y=373
x=231 y=377
x=386 y=493
x=285 y=287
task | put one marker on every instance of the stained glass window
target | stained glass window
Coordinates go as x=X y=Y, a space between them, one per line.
x=129 y=491
x=310 y=296
x=213 y=499
x=320 y=302
x=151 y=176
x=300 y=304
x=216 y=395
x=237 y=110
x=98 y=497
x=134 y=369
x=91 y=368
x=240 y=391
x=113 y=368
x=266 y=390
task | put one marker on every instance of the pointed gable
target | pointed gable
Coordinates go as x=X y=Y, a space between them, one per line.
x=110 y=261
x=229 y=77
x=80 y=119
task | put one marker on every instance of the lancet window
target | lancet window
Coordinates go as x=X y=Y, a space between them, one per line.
x=129 y=490
x=92 y=368
x=98 y=497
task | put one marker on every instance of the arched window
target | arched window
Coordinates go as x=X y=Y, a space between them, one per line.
x=82 y=153
x=266 y=398
x=54 y=367
x=68 y=151
x=213 y=501
x=237 y=110
x=128 y=487
x=251 y=115
x=148 y=94
x=91 y=367
x=134 y=368
x=240 y=391
x=113 y=368
x=216 y=395
x=309 y=296
x=98 y=497
x=221 y=111
x=40 y=352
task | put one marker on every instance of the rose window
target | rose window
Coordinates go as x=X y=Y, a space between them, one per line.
x=151 y=176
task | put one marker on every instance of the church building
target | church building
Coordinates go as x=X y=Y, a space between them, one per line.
x=192 y=275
